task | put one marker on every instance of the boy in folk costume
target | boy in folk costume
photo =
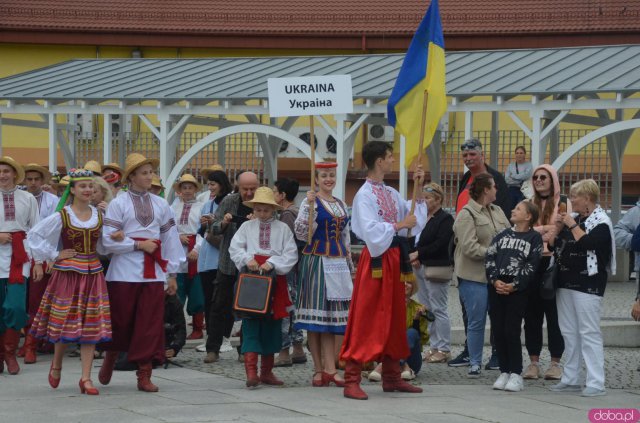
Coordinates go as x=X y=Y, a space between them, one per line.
x=376 y=330
x=35 y=178
x=264 y=243
x=187 y=211
x=150 y=252
x=18 y=214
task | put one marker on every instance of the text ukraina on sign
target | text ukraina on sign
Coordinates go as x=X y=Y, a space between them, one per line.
x=310 y=95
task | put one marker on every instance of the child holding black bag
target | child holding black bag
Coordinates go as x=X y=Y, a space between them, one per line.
x=512 y=260
x=264 y=244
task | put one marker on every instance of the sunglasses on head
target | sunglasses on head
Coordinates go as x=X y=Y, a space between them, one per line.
x=470 y=145
x=541 y=177
x=429 y=189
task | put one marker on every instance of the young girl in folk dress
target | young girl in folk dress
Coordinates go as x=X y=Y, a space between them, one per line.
x=75 y=305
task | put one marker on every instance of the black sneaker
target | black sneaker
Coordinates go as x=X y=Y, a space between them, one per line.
x=461 y=360
x=474 y=372
x=493 y=363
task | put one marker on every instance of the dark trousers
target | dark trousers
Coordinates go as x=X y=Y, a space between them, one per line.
x=208 y=280
x=506 y=313
x=537 y=309
x=220 y=320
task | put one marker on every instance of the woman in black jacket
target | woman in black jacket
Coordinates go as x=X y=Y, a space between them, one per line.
x=436 y=272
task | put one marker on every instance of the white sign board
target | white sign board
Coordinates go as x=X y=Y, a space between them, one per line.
x=310 y=95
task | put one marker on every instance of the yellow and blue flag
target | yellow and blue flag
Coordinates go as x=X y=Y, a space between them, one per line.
x=423 y=70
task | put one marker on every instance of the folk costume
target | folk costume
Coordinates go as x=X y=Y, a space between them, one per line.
x=47 y=204
x=377 y=329
x=324 y=280
x=135 y=279
x=268 y=241
x=18 y=214
x=75 y=304
x=189 y=285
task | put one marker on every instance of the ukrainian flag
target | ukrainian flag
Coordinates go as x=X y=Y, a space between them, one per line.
x=423 y=70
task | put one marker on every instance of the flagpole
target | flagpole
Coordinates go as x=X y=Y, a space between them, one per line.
x=420 y=153
x=312 y=144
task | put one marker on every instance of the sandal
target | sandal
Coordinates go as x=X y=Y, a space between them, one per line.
x=318 y=383
x=439 y=357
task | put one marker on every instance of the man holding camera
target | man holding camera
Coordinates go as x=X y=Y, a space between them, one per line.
x=230 y=215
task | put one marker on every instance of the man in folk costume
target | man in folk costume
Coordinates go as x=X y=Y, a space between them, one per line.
x=140 y=264
x=187 y=212
x=18 y=214
x=35 y=177
x=264 y=244
x=376 y=329
x=221 y=313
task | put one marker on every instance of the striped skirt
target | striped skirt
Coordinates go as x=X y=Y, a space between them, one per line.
x=74 y=309
x=314 y=312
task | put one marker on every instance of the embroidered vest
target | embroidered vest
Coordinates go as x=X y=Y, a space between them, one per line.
x=84 y=242
x=327 y=238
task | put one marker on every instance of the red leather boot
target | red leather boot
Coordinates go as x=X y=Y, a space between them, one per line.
x=11 y=340
x=106 y=371
x=251 y=369
x=352 y=378
x=266 y=374
x=391 y=380
x=30 y=344
x=144 y=378
x=198 y=326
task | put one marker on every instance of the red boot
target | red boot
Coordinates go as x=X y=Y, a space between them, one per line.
x=352 y=378
x=266 y=374
x=2 y=353
x=251 y=368
x=391 y=380
x=198 y=326
x=30 y=343
x=11 y=340
x=144 y=378
x=106 y=371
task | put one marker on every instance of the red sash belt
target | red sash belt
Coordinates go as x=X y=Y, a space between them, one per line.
x=192 y=265
x=18 y=257
x=150 y=260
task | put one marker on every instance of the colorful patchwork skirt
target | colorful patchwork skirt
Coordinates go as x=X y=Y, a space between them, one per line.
x=74 y=309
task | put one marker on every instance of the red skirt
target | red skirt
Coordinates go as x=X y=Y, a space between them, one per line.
x=74 y=309
x=377 y=317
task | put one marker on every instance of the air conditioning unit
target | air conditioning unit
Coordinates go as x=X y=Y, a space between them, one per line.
x=379 y=132
x=117 y=120
x=84 y=125
x=325 y=144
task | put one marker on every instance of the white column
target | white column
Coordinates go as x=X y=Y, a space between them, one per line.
x=537 y=150
x=106 y=139
x=342 y=158
x=468 y=125
x=164 y=148
x=0 y=135
x=53 y=143
x=402 y=168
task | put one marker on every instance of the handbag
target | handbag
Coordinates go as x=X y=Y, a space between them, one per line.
x=438 y=273
x=527 y=189
x=253 y=294
x=550 y=277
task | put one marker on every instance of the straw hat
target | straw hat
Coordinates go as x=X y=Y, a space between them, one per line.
x=187 y=178
x=62 y=184
x=207 y=170
x=263 y=195
x=156 y=182
x=93 y=166
x=15 y=165
x=35 y=167
x=113 y=166
x=134 y=161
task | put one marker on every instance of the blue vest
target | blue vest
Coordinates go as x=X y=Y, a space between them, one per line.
x=327 y=238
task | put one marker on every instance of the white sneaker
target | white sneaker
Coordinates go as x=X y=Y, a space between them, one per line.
x=515 y=383
x=501 y=382
x=374 y=376
x=408 y=375
x=201 y=348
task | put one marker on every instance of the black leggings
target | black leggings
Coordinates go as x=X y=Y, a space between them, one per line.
x=506 y=313
x=536 y=310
